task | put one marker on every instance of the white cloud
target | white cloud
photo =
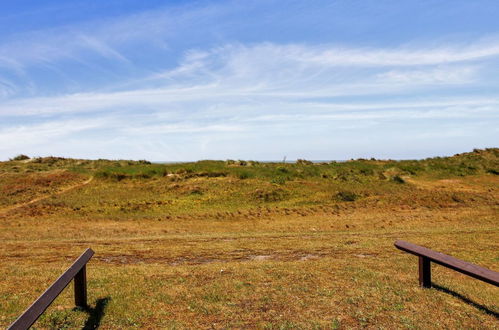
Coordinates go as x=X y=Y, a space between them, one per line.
x=7 y=88
x=103 y=37
x=439 y=75
x=261 y=74
x=257 y=90
x=331 y=55
x=21 y=136
x=406 y=56
x=157 y=28
x=192 y=128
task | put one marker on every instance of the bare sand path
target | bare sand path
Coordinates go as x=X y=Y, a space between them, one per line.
x=41 y=198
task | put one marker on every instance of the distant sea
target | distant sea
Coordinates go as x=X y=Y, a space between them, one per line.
x=260 y=161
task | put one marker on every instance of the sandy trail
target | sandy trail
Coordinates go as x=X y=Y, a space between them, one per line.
x=41 y=198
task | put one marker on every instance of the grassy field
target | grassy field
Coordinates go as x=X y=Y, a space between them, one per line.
x=238 y=244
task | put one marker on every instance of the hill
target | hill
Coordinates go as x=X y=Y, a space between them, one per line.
x=248 y=244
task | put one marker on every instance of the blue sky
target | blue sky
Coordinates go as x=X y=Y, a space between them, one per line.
x=189 y=80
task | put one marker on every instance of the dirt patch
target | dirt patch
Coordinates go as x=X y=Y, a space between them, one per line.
x=261 y=258
x=364 y=255
x=234 y=256
x=309 y=257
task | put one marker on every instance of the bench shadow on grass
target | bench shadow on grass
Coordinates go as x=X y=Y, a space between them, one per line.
x=465 y=300
x=95 y=314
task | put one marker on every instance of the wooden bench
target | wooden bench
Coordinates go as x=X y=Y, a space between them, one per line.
x=77 y=271
x=426 y=256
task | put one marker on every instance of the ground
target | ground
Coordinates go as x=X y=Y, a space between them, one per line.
x=244 y=244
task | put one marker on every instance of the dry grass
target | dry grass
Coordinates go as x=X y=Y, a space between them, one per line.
x=218 y=251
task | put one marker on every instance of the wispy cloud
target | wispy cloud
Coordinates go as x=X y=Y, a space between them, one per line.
x=212 y=96
x=39 y=134
x=7 y=88
x=439 y=75
x=261 y=73
x=110 y=38
x=105 y=37
x=47 y=49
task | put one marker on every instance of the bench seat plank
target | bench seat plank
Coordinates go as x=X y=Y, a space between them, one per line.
x=43 y=302
x=461 y=266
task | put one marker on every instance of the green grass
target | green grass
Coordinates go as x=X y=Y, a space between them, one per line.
x=476 y=162
x=234 y=244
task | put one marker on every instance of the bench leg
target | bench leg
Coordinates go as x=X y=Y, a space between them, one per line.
x=80 y=286
x=424 y=272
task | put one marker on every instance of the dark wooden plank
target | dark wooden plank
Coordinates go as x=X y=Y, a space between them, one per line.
x=80 y=287
x=424 y=272
x=461 y=266
x=43 y=302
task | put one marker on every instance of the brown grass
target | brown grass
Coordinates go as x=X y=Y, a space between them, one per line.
x=217 y=252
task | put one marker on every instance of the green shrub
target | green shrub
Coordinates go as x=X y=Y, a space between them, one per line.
x=216 y=174
x=20 y=157
x=398 y=179
x=303 y=162
x=366 y=171
x=111 y=176
x=278 y=180
x=182 y=171
x=346 y=196
x=243 y=175
x=282 y=169
x=270 y=195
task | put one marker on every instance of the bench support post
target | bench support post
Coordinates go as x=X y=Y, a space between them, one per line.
x=427 y=256
x=424 y=272
x=80 y=286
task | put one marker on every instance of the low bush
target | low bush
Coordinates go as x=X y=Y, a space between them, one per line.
x=111 y=176
x=398 y=179
x=270 y=195
x=243 y=175
x=303 y=162
x=346 y=196
x=282 y=169
x=20 y=157
x=278 y=180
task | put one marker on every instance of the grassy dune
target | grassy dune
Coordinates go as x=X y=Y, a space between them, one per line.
x=236 y=244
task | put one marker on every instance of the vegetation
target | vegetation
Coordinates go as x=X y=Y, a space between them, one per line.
x=347 y=196
x=20 y=157
x=235 y=244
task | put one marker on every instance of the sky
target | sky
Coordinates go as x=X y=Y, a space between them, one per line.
x=262 y=80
